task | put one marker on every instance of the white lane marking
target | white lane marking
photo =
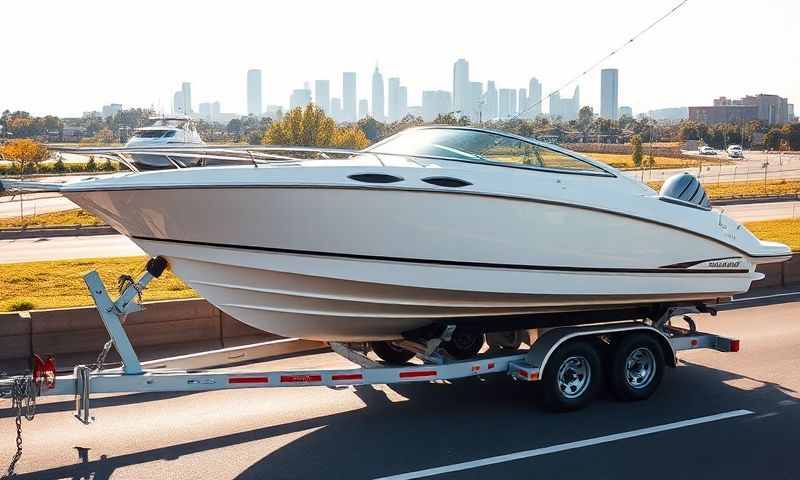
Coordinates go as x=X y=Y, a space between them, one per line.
x=456 y=467
x=764 y=296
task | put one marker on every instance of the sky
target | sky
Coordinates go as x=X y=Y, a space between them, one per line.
x=65 y=58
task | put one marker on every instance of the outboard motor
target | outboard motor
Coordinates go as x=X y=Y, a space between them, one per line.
x=685 y=188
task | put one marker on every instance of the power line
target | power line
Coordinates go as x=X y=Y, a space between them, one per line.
x=596 y=64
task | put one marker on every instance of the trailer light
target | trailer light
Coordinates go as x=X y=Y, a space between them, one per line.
x=248 y=380
x=694 y=342
x=300 y=378
x=735 y=345
x=347 y=376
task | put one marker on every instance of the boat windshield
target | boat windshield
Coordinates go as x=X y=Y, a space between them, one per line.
x=154 y=133
x=482 y=146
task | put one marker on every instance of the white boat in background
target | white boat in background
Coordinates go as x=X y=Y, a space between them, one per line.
x=175 y=131
x=434 y=226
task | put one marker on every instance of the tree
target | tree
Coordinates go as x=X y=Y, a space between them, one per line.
x=372 y=128
x=636 y=141
x=24 y=153
x=309 y=127
x=105 y=136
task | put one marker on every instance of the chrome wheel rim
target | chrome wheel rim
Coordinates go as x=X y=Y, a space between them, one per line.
x=640 y=368
x=574 y=377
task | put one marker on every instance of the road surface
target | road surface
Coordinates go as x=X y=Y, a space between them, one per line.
x=718 y=415
x=34 y=204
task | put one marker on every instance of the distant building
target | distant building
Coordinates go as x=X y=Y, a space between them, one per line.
x=609 y=93
x=378 y=100
x=186 y=88
x=210 y=111
x=322 y=95
x=490 y=108
x=415 y=111
x=111 y=110
x=792 y=118
x=336 y=109
x=348 y=106
x=772 y=109
x=254 y=86
x=403 y=101
x=534 y=98
x=461 y=88
x=435 y=103
x=507 y=103
x=178 y=104
x=522 y=98
x=72 y=134
x=475 y=112
x=363 y=108
x=669 y=114
x=300 y=98
x=394 y=98
x=275 y=112
x=565 y=108
x=625 y=112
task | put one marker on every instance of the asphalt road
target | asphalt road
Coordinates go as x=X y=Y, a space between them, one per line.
x=34 y=204
x=718 y=415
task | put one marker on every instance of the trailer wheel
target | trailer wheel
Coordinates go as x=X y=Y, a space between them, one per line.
x=637 y=367
x=464 y=344
x=390 y=353
x=571 y=377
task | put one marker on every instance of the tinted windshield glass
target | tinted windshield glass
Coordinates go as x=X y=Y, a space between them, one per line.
x=150 y=133
x=477 y=145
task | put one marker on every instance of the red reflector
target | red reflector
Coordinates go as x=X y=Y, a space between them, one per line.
x=522 y=373
x=420 y=373
x=44 y=371
x=300 y=378
x=347 y=376
x=694 y=343
x=491 y=365
x=248 y=380
x=476 y=368
x=734 y=345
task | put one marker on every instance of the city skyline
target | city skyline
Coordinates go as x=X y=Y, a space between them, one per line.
x=216 y=72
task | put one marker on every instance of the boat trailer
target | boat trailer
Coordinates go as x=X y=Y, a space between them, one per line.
x=530 y=365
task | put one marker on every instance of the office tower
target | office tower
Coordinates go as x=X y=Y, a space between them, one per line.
x=461 y=88
x=377 y=96
x=178 y=104
x=254 y=93
x=625 y=111
x=393 y=110
x=507 y=103
x=322 y=95
x=435 y=103
x=565 y=108
x=348 y=106
x=609 y=93
x=534 y=98
x=336 y=109
x=204 y=110
x=300 y=98
x=475 y=101
x=363 y=108
x=490 y=100
x=186 y=89
x=403 y=102
x=522 y=98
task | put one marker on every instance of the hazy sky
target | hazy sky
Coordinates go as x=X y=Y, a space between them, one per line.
x=69 y=57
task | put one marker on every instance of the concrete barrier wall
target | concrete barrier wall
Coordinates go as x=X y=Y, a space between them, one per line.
x=15 y=336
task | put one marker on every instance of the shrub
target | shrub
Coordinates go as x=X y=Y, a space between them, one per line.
x=21 y=306
x=91 y=165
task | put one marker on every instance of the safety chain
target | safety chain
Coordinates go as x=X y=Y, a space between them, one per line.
x=23 y=399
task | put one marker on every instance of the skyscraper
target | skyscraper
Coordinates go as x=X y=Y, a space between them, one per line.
x=348 y=97
x=522 y=98
x=394 y=99
x=254 y=93
x=322 y=95
x=435 y=103
x=490 y=109
x=461 y=88
x=565 y=108
x=336 y=109
x=403 y=102
x=178 y=104
x=534 y=98
x=363 y=108
x=475 y=101
x=186 y=89
x=377 y=95
x=507 y=104
x=300 y=98
x=609 y=93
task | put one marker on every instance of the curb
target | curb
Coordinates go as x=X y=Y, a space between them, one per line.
x=49 y=232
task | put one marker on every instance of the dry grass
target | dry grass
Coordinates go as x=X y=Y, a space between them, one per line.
x=784 y=231
x=624 y=161
x=67 y=217
x=56 y=284
x=746 y=189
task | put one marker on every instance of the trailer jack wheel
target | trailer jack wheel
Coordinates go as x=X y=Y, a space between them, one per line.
x=390 y=353
x=571 y=377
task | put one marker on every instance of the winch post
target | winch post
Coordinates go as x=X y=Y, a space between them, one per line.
x=111 y=313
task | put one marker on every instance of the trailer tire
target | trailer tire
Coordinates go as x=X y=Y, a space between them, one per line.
x=571 y=377
x=636 y=367
x=464 y=344
x=390 y=353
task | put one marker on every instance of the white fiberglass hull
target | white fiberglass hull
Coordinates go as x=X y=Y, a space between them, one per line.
x=353 y=264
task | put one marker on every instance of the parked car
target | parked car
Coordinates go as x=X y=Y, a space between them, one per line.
x=735 y=151
x=706 y=150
